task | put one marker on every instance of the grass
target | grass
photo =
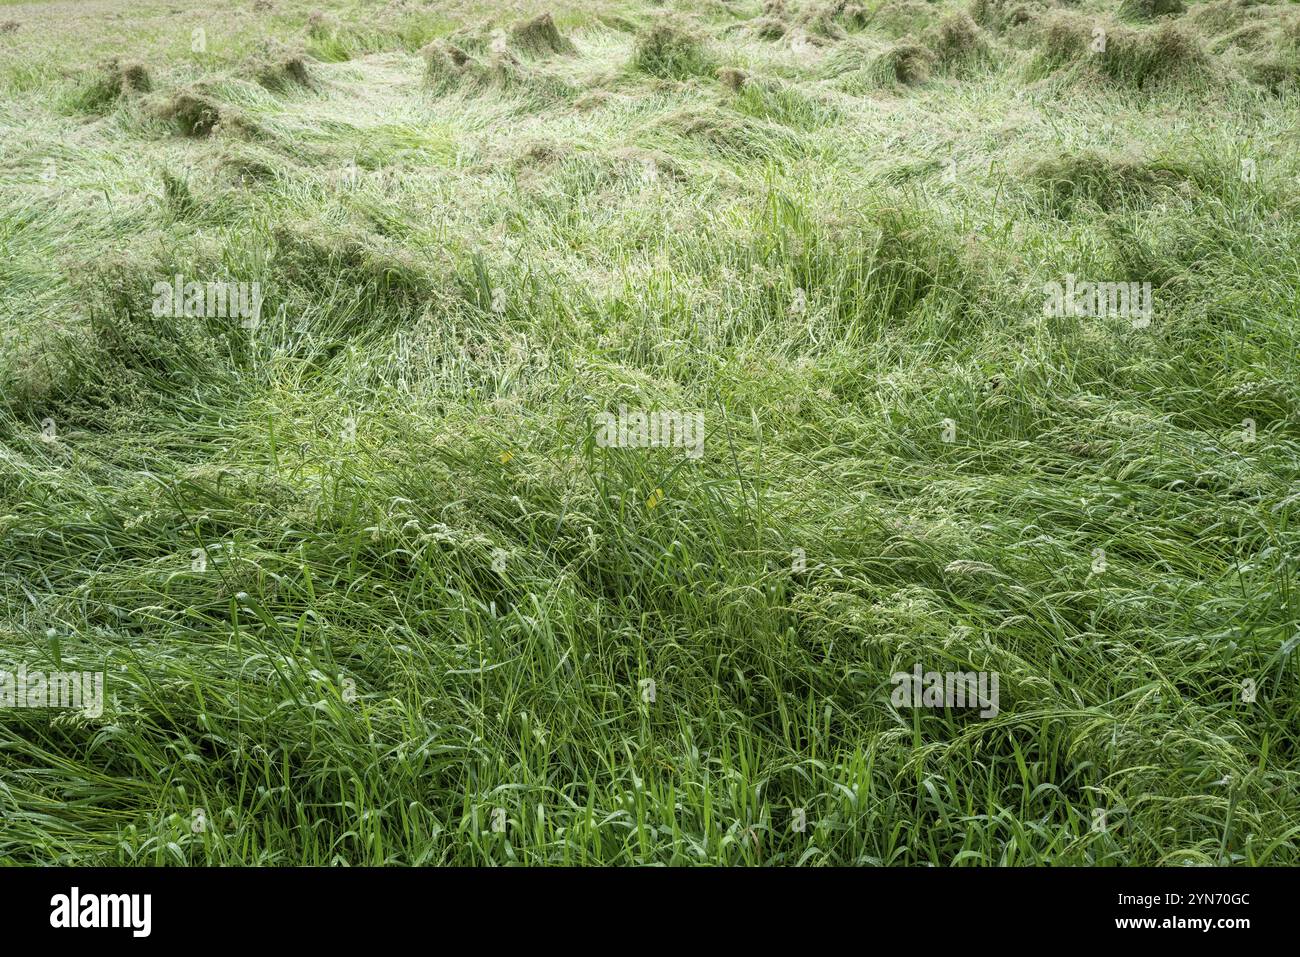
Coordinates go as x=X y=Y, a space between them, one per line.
x=364 y=586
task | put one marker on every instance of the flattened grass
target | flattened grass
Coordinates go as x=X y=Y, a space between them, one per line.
x=364 y=585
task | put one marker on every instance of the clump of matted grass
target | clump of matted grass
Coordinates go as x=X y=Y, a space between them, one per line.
x=247 y=165
x=129 y=341
x=1266 y=48
x=540 y=37
x=320 y=25
x=194 y=112
x=728 y=133
x=384 y=30
x=809 y=308
x=909 y=61
x=904 y=63
x=177 y=197
x=386 y=275
x=670 y=51
x=789 y=104
x=901 y=18
x=1277 y=72
x=1004 y=15
x=1249 y=26
x=1254 y=37
x=280 y=68
x=958 y=43
x=1170 y=52
x=9 y=26
x=733 y=78
x=649 y=164
x=871 y=270
x=772 y=23
x=767 y=28
x=448 y=66
x=111 y=81
x=535 y=154
x=1063 y=184
x=834 y=18
x=1217 y=16
x=1150 y=9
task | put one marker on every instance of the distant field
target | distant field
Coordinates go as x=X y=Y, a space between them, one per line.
x=786 y=433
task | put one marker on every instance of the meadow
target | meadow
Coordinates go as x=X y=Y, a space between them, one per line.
x=539 y=432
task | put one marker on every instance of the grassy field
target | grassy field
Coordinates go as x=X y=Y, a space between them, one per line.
x=368 y=585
